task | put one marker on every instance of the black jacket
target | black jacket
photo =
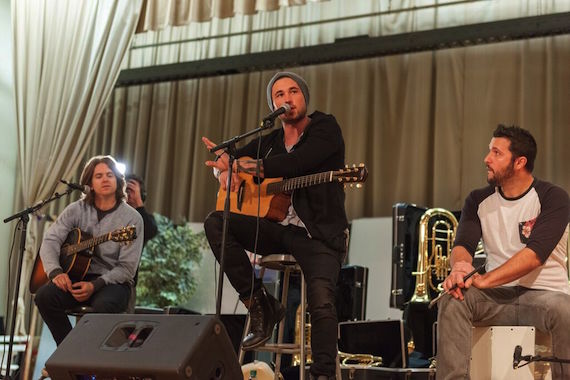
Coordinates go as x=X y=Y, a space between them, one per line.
x=320 y=149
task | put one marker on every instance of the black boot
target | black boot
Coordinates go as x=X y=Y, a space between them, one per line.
x=264 y=313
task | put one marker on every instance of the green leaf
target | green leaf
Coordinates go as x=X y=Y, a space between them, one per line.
x=169 y=264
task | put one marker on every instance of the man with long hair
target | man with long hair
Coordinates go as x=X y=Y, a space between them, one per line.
x=107 y=285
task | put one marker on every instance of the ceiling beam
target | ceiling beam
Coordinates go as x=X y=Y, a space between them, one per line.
x=354 y=48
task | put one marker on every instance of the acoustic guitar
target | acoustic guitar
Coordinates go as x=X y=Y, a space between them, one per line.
x=274 y=194
x=76 y=254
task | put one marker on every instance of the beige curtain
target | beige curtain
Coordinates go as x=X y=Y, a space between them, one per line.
x=67 y=56
x=313 y=23
x=158 y=14
x=420 y=122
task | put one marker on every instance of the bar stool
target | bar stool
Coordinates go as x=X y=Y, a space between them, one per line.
x=79 y=311
x=287 y=264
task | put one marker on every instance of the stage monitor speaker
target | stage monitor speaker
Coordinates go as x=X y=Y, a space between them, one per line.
x=149 y=347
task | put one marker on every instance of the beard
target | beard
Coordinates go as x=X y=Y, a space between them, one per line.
x=499 y=177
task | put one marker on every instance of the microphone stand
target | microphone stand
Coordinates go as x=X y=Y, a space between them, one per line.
x=530 y=358
x=24 y=217
x=229 y=148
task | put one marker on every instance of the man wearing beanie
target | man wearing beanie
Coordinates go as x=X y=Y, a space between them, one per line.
x=314 y=231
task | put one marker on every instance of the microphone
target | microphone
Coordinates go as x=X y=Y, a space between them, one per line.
x=517 y=356
x=273 y=115
x=75 y=186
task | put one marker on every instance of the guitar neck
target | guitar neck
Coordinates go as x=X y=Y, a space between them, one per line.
x=300 y=182
x=85 y=244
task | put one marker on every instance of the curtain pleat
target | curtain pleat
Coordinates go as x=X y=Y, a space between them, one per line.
x=67 y=56
x=160 y=14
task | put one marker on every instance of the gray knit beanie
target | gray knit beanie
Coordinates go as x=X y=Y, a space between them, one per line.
x=300 y=82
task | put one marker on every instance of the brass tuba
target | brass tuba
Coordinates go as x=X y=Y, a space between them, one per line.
x=297 y=357
x=437 y=229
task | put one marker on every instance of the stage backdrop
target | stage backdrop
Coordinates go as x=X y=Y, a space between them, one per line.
x=421 y=123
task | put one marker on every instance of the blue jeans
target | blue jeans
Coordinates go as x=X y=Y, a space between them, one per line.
x=548 y=311
x=320 y=265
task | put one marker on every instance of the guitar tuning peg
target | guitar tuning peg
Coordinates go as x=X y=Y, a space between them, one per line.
x=358 y=185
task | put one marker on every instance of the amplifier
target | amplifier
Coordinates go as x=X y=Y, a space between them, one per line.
x=145 y=347
x=351 y=293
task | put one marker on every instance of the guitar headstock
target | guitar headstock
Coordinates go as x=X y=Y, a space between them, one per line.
x=124 y=234
x=355 y=174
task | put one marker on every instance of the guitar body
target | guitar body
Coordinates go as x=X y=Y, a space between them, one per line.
x=273 y=195
x=245 y=200
x=75 y=265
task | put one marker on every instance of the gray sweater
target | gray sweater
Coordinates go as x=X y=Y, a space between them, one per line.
x=116 y=263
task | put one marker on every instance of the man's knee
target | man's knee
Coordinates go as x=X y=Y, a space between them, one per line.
x=452 y=309
x=44 y=297
x=113 y=298
x=322 y=297
x=109 y=305
x=213 y=224
x=558 y=308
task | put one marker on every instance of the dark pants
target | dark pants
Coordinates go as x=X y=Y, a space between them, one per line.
x=52 y=303
x=320 y=265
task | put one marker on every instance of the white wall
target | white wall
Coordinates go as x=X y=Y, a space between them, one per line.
x=8 y=147
x=370 y=246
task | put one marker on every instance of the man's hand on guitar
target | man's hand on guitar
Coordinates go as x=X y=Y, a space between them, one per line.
x=236 y=181
x=82 y=290
x=62 y=281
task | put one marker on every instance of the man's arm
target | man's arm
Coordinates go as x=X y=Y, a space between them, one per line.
x=150 y=227
x=522 y=263
x=51 y=245
x=461 y=264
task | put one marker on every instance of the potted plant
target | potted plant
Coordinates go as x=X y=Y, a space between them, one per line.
x=169 y=265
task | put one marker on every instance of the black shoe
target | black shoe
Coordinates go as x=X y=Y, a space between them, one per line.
x=264 y=313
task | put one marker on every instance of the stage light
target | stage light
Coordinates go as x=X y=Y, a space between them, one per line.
x=122 y=168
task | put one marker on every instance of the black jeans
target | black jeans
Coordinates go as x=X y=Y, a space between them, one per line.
x=52 y=303
x=320 y=265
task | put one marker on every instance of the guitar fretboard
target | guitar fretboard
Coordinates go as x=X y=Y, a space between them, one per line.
x=85 y=244
x=299 y=182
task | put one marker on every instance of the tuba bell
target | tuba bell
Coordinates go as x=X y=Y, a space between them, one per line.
x=296 y=360
x=437 y=228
